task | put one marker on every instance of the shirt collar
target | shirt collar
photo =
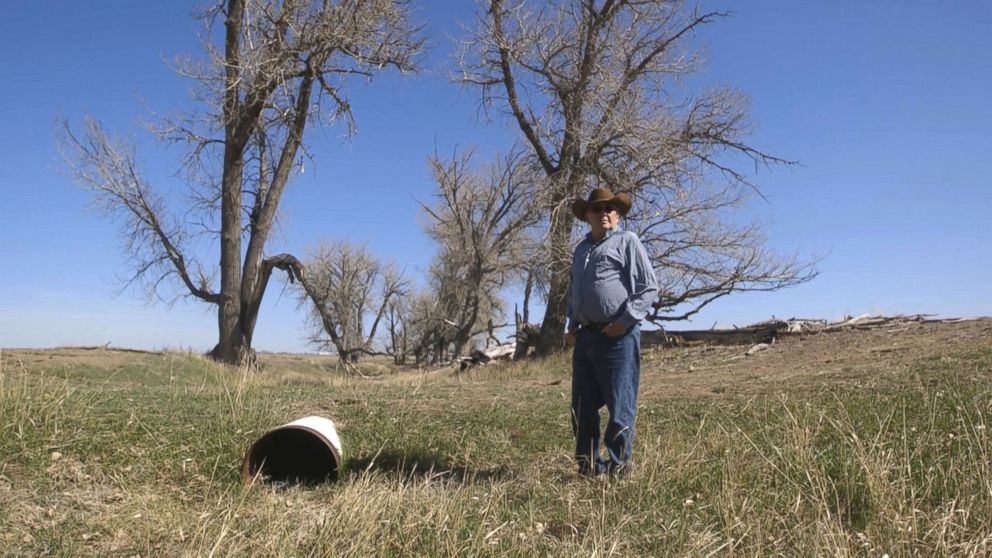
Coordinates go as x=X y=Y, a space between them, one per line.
x=608 y=234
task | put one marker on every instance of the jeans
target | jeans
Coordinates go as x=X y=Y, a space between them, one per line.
x=605 y=371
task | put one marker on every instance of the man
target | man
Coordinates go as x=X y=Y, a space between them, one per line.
x=613 y=287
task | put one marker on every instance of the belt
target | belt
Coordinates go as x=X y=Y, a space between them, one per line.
x=595 y=326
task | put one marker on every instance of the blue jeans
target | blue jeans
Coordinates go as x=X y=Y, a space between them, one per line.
x=605 y=371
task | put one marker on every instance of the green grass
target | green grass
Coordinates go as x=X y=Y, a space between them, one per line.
x=141 y=456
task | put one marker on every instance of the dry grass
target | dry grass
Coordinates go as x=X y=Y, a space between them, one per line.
x=140 y=456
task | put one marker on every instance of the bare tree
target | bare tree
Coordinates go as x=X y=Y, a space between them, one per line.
x=533 y=275
x=427 y=332
x=593 y=86
x=398 y=315
x=350 y=289
x=284 y=64
x=479 y=221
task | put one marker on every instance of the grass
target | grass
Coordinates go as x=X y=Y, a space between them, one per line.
x=140 y=455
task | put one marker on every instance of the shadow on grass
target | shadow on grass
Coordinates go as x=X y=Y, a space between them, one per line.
x=421 y=467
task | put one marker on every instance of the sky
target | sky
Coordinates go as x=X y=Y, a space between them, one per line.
x=884 y=105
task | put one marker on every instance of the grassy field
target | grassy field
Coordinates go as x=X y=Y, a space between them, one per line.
x=129 y=454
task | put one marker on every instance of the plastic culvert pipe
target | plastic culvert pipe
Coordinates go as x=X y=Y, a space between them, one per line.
x=305 y=451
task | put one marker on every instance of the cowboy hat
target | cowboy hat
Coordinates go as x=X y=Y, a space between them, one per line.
x=620 y=201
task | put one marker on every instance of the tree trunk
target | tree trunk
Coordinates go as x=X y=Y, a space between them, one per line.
x=552 y=336
x=230 y=345
x=527 y=290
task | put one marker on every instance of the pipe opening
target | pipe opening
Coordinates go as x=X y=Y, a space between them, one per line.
x=292 y=455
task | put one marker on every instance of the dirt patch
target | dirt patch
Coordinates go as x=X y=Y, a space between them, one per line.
x=854 y=357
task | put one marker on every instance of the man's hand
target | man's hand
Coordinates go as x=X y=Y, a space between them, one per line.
x=570 y=338
x=614 y=329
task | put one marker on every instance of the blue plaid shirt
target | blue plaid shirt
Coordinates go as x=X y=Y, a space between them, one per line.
x=611 y=280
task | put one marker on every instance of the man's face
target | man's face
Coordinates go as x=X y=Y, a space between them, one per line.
x=602 y=217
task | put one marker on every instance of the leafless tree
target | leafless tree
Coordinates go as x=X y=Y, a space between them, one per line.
x=533 y=275
x=594 y=87
x=350 y=289
x=479 y=221
x=398 y=315
x=426 y=332
x=283 y=65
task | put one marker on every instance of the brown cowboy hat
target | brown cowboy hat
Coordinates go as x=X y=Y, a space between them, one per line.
x=620 y=201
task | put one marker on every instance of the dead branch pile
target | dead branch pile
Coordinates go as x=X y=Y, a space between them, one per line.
x=480 y=357
x=757 y=337
x=768 y=331
x=862 y=322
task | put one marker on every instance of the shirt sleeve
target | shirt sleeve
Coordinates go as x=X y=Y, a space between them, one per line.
x=639 y=275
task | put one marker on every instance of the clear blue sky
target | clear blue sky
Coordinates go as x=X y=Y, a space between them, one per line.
x=885 y=104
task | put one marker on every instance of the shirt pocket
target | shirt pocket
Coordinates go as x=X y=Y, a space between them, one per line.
x=608 y=268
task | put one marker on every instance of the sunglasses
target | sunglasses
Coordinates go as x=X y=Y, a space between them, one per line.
x=601 y=209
